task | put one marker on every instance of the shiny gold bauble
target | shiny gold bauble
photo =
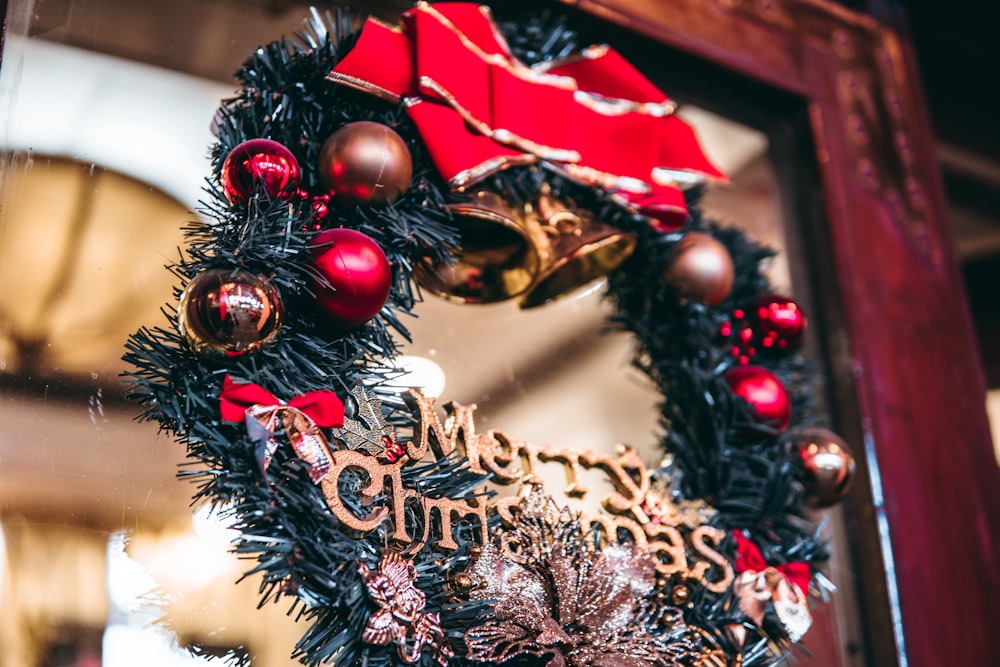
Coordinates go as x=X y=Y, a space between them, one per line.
x=366 y=163
x=826 y=466
x=229 y=312
x=700 y=268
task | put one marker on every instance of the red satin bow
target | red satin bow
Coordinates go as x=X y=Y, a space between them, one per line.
x=592 y=116
x=749 y=558
x=301 y=418
x=323 y=406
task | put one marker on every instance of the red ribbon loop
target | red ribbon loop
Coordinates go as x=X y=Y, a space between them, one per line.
x=592 y=116
x=749 y=558
x=760 y=586
x=300 y=418
x=324 y=407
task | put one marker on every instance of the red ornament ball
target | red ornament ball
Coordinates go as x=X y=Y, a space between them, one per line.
x=701 y=268
x=354 y=276
x=229 y=312
x=259 y=165
x=781 y=323
x=366 y=163
x=826 y=466
x=763 y=390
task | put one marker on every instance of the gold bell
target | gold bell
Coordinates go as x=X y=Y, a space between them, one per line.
x=573 y=248
x=497 y=260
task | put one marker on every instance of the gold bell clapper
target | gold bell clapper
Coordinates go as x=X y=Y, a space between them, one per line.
x=497 y=260
x=540 y=252
x=574 y=249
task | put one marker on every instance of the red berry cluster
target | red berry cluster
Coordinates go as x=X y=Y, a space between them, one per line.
x=775 y=325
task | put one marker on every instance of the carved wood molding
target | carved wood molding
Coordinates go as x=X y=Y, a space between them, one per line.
x=870 y=84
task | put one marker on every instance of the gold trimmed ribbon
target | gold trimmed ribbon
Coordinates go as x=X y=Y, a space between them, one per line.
x=592 y=116
x=301 y=419
x=783 y=586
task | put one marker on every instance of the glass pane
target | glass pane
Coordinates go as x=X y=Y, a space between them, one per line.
x=110 y=106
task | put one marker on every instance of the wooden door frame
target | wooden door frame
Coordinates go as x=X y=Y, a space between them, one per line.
x=928 y=497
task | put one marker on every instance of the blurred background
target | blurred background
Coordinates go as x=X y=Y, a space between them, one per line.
x=106 y=107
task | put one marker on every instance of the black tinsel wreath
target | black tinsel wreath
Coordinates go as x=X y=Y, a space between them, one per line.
x=302 y=553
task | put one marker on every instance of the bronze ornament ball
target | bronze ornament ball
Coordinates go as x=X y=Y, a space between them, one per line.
x=229 y=312
x=700 y=268
x=826 y=466
x=366 y=163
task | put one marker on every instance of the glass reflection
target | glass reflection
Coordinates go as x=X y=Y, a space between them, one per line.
x=93 y=197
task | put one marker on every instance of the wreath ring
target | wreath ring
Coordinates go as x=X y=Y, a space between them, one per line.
x=734 y=471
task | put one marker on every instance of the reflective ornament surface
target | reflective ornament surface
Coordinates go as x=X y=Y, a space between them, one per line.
x=496 y=259
x=354 y=276
x=826 y=466
x=366 y=163
x=574 y=248
x=781 y=324
x=700 y=268
x=763 y=390
x=229 y=312
x=259 y=165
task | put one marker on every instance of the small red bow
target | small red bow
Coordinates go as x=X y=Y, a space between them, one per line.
x=301 y=418
x=749 y=558
x=592 y=116
x=759 y=585
x=324 y=407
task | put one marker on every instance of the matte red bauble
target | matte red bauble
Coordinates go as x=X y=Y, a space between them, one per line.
x=227 y=312
x=355 y=276
x=259 y=166
x=781 y=324
x=366 y=163
x=700 y=268
x=764 y=392
x=826 y=466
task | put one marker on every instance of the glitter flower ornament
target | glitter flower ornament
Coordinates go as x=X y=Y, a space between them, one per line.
x=401 y=619
x=560 y=598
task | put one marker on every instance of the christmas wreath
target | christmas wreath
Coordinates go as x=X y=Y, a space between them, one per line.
x=360 y=166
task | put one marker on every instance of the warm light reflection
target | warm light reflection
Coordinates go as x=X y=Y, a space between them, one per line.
x=127 y=646
x=3 y=561
x=993 y=413
x=190 y=560
x=832 y=460
x=419 y=373
x=139 y=592
x=93 y=243
x=128 y=581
